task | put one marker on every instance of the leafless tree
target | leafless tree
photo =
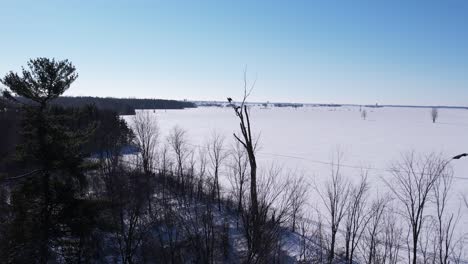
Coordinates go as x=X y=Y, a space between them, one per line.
x=335 y=198
x=357 y=216
x=129 y=216
x=445 y=222
x=200 y=231
x=374 y=232
x=393 y=233
x=434 y=114
x=364 y=114
x=217 y=155
x=249 y=143
x=164 y=160
x=413 y=184
x=275 y=203
x=191 y=171
x=238 y=176
x=283 y=194
x=201 y=171
x=275 y=199
x=166 y=229
x=427 y=243
x=146 y=131
x=456 y=252
x=178 y=143
x=307 y=248
x=165 y=165
x=299 y=192
x=320 y=237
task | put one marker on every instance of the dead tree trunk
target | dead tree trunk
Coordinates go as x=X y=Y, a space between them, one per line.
x=246 y=139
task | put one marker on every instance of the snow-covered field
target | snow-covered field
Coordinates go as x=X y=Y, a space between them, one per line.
x=305 y=139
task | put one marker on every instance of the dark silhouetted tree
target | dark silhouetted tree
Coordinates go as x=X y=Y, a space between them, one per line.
x=47 y=203
x=434 y=114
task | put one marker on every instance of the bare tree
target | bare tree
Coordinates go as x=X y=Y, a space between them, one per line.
x=275 y=203
x=238 y=176
x=217 y=155
x=393 y=234
x=427 y=243
x=364 y=114
x=201 y=171
x=335 y=198
x=167 y=231
x=373 y=231
x=444 y=222
x=434 y=114
x=164 y=160
x=322 y=242
x=146 y=131
x=456 y=252
x=307 y=247
x=178 y=143
x=199 y=229
x=413 y=184
x=128 y=215
x=165 y=164
x=249 y=143
x=191 y=171
x=357 y=217
x=299 y=191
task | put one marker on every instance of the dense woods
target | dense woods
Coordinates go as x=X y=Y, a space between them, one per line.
x=122 y=106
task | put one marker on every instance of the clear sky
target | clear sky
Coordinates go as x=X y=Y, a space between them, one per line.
x=397 y=52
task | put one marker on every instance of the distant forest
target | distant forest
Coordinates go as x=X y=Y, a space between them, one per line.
x=122 y=106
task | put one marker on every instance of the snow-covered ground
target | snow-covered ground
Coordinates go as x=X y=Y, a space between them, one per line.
x=305 y=139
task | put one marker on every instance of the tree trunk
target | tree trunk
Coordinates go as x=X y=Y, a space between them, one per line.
x=44 y=249
x=332 y=247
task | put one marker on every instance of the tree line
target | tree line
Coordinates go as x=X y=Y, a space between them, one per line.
x=123 y=106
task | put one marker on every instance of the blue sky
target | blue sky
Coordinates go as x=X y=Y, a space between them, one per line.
x=392 y=52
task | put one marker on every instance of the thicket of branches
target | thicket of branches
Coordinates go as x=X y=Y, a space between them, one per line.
x=410 y=222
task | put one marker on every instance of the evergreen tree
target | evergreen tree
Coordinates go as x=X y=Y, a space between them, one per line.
x=48 y=202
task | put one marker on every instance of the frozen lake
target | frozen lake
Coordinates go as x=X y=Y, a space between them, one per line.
x=304 y=139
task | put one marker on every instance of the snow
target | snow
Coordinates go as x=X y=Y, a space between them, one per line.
x=305 y=139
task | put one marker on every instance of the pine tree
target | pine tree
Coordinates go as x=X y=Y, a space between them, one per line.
x=48 y=202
